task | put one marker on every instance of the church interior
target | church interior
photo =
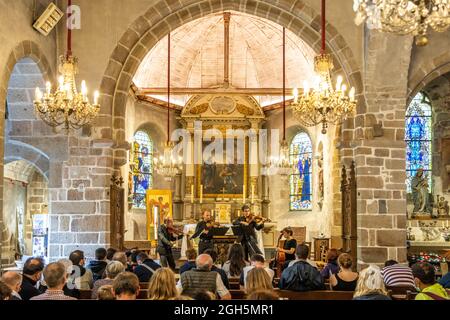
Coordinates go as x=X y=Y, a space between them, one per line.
x=319 y=117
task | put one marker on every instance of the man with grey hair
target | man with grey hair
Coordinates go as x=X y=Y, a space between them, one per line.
x=113 y=269
x=202 y=278
x=14 y=281
x=55 y=276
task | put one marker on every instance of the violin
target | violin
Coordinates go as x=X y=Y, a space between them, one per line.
x=174 y=230
x=257 y=219
x=212 y=224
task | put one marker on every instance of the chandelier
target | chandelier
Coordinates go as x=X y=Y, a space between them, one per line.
x=404 y=16
x=66 y=106
x=325 y=103
x=169 y=164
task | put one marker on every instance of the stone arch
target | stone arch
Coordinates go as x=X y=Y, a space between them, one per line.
x=16 y=150
x=166 y=15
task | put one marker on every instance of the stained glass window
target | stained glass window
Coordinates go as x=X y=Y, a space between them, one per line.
x=300 y=182
x=418 y=138
x=141 y=168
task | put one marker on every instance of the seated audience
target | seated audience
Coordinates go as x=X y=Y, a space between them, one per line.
x=110 y=254
x=146 y=267
x=345 y=279
x=98 y=265
x=312 y=263
x=32 y=272
x=235 y=264
x=191 y=255
x=112 y=270
x=163 y=285
x=202 y=278
x=121 y=257
x=133 y=258
x=445 y=280
x=213 y=254
x=301 y=276
x=263 y=295
x=332 y=266
x=5 y=292
x=370 y=285
x=81 y=277
x=69 y=289
x=425 y=279
x=14 y=281
x=204 y=295
x=105 y=293
x=258 y=279
x=126 y=286
x=396 y=275
x=55 y=276
x=256 y=261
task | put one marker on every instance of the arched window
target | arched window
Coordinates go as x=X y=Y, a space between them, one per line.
x=418 y=138
x=141 y=168
x=300 y=181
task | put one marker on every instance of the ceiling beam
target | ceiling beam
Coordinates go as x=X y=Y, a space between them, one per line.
x=228 y=91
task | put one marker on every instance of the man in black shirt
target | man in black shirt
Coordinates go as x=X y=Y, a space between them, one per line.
x=165 y=238
x=248 y=238
x=32 y=272
x=202 y=231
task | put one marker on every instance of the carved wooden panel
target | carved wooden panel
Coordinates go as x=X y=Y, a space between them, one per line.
x=349 y=227
x=117 y=211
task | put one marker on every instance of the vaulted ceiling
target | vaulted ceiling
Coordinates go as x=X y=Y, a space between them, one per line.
x=256 y=57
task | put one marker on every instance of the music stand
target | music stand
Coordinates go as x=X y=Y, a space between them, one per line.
x=218 y=231
x=237 y=230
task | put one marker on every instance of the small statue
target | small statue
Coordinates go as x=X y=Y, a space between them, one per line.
x=442 y=206
x=419 y=186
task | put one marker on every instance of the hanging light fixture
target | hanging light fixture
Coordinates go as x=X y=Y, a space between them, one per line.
x=66 y=106
x=280 y=164
x=324 y=104
x=404 y=16
x=168 y=164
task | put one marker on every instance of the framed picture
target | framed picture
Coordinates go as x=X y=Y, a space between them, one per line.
x=221 y=179
x=163 y=200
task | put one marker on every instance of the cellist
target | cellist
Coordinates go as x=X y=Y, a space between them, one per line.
x=289 y=246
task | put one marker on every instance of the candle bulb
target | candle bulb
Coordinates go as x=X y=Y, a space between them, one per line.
x=155 y=221
x=38 y=94
x=48 y=86
x=84 y=90
x=243 y=194
x=352 y=94
x=201 y=193
x=192 y=193
x=61 y=83
x=306 y=88
x=338 y=83
x=96 y=96
x=253 y=193
x=295 y=95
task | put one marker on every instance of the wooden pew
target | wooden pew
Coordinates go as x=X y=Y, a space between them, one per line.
x=399 y=292
x=411 y=295
x=316 y=295
x=85 y=294
x=238 y=294
x=144 y=285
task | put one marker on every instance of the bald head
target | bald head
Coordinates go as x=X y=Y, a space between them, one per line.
x=204 y=262
x=13 y=280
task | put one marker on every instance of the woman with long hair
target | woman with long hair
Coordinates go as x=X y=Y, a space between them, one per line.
x=370 y=285
x=258 y=279
x=162 y=285
x=236 y=262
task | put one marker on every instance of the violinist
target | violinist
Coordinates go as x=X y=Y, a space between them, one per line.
x=249 y=224
x=289 y=246
x=202 y=231
x=166 y=235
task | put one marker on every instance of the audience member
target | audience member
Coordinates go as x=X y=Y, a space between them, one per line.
x=301 y=276
x=81 y=277
x=204 y=295
x=258 y=279
x=32 y=272
x=396 y=275
x=126 y=286
x=425 y=280
x=202 y=278
x=312 y=263
x=5 y=292
x=110 y=254
x=445 y=280
x=235 y=264
x=133 y=258
x=146 y=267
x=263 y=295
x=113 y=269
x=256 y=261
x=191 y=255
x=162 y=285
x=332 y=266
x=345 y=279
x=223 y=275
x=69 y=289
x=55 y=276
x=370 y=285
x=121 y=257
x=98 y=265
x=105 y=293
x=14 y=281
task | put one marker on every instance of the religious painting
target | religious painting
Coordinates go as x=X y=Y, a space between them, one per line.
x=221 y=178
x=222 y=213
x=301 y=180
x=161 y=199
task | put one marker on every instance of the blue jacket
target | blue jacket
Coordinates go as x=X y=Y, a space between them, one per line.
x=445 y=281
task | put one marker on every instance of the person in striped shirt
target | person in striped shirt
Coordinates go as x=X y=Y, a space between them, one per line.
x=397 y=275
